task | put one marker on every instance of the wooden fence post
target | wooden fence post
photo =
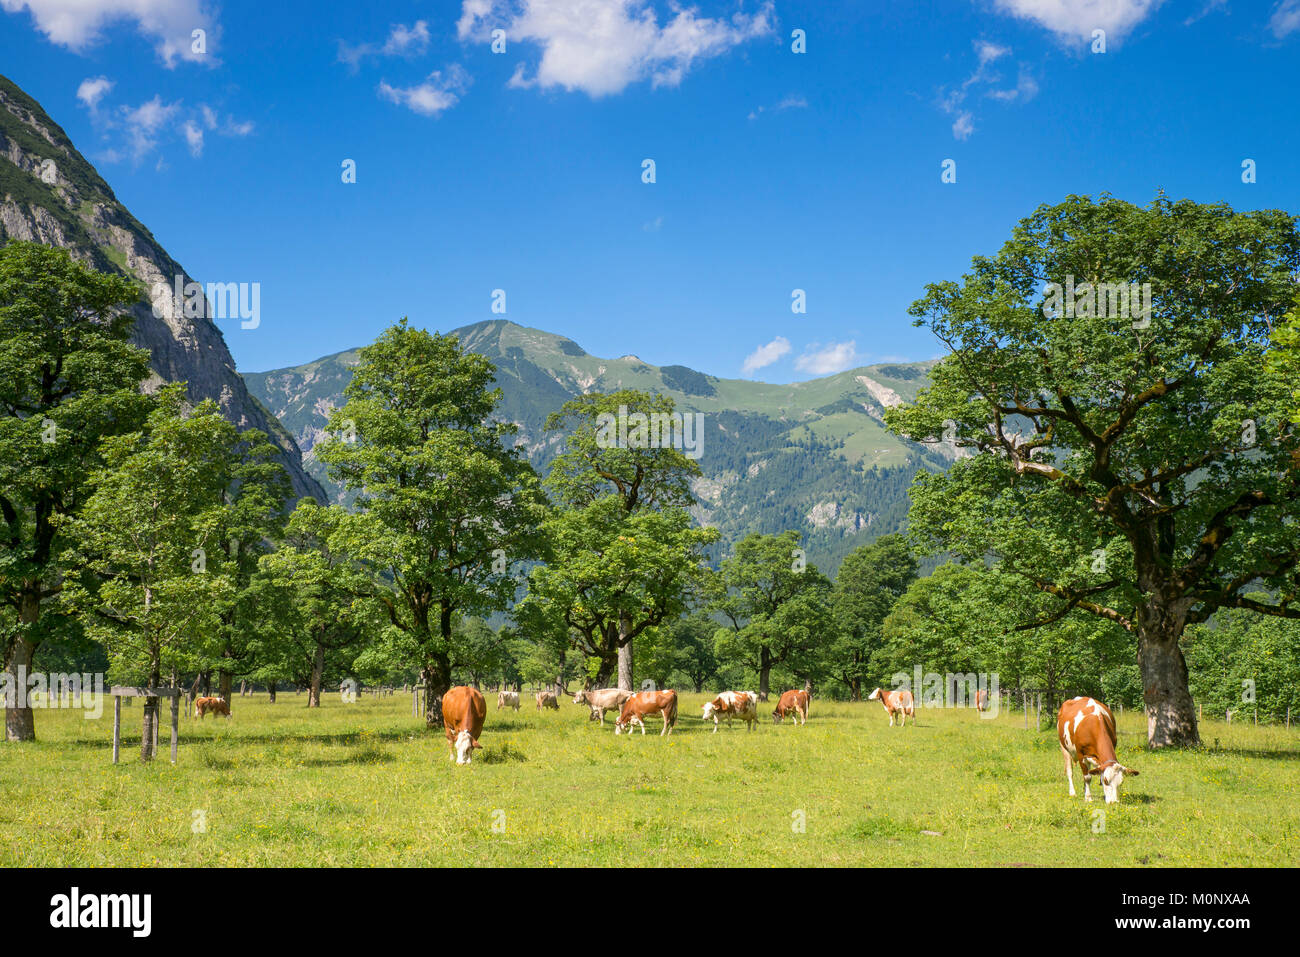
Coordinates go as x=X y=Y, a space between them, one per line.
x=176 y=716
x=117 y=726
x=1024 y=703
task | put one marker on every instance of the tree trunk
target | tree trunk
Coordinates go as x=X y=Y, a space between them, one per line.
x=20 y=723
x=1171 y=713
x=270 y=691
x=606 y=671
x=436 y=677
x=764 y=672
x=855 y=689
x=625 y=673
x=207 y=683
x=150 y=711
x=317 y=670
x=224 y=685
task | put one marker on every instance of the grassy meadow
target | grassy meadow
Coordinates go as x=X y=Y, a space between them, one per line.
x=365 y=784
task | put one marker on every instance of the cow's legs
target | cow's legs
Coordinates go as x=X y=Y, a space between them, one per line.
x=667 y=727
x=1087 y=791
x=1069 y=769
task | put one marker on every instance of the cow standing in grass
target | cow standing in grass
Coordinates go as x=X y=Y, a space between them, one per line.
x=606 y=699
x=793 y=703
x=645 y=703
x=463 y=713
x=215 y=706
x=547 y=699
x=897 y=703
x=733 y=704
x=507 y=699
x=1086 y=730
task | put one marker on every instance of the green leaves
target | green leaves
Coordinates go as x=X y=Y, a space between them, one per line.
x=446 y=506
x=1091 y=428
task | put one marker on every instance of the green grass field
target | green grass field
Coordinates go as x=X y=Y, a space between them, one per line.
x=365 y=784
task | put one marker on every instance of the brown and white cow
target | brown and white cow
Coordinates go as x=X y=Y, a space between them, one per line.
x=507 y=699
x=733 y=704
x=896 y=703
x=981 y=700
x=1086 y=729
x=463 y=711
x=602 y=700
x=203 y=706
x=547 y=699
x=645 y=703
x=793 y=703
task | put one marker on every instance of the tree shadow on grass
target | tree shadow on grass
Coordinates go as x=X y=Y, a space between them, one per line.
x=1281 y=755
x=361 y=755
x=341 y=737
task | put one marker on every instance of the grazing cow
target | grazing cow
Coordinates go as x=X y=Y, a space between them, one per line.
x=606 y=699
x=981 y=700
x=896 y=703
x=216 y=705
x=463 y=711
x=507 y=699
x=795 y=703
x=1086 y=729
x=733 y=704
x=645 y=703
x=547 y=699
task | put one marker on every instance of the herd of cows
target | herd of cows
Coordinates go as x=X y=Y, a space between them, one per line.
x=1085 y=727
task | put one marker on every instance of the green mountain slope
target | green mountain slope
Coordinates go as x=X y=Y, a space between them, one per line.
x=813 y=455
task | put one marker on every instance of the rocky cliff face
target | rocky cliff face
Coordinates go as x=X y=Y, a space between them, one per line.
x=50 y=194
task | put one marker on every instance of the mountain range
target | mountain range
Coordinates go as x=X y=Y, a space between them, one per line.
x=813 y=456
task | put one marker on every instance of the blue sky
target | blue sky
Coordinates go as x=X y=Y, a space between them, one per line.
x=522 y=170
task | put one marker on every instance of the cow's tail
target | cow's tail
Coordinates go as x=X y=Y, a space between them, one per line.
x=672 y=708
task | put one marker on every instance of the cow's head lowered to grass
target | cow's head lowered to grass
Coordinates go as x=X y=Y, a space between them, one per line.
x=465 y=745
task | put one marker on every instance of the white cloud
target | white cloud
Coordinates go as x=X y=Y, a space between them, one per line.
x=791 y=102
x=1285 y=19
x=1074 y=20
x=602 y=46
x=766 y=355
x=402 y=41
x=986 y=78
x=988 y=52
x=77 y=24
x=194 y=137
x=828 y=359
x=92 y=90
x=1026 y=89
x=142 y=129
x=407 y=41
x=435 y=94
x=144 y=122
